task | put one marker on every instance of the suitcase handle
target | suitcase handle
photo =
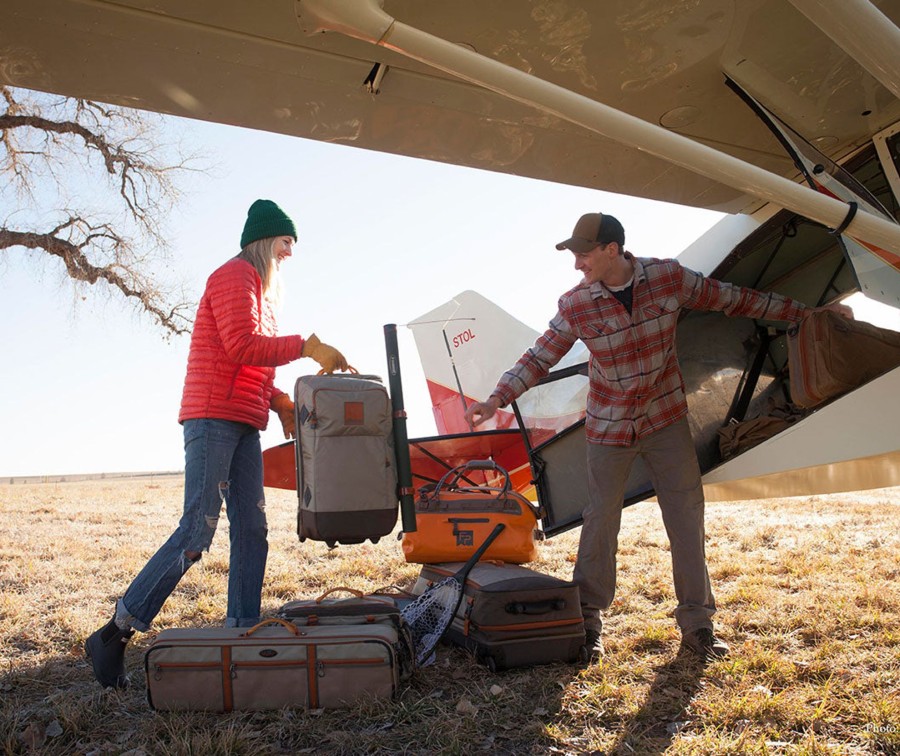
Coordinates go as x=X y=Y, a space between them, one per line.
x=272 y=621
x=393 y=591
x=352 y=372
x=536 y=607
x=358 y=594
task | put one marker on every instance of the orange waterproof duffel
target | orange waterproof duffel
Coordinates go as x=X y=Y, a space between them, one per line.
x=454 y=517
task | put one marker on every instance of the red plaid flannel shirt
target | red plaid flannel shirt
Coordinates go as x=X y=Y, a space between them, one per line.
x=636 y=386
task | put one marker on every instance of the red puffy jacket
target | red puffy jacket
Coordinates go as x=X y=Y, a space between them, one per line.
x=234 y=350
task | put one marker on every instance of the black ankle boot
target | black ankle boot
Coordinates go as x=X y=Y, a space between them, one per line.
x=106 y=650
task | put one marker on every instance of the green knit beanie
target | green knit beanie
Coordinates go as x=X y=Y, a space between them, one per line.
x=265 y=219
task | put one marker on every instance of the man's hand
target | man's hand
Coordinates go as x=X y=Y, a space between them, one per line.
x=327 y=356
x=845 y=311
x=482 y=411
x=284 y=408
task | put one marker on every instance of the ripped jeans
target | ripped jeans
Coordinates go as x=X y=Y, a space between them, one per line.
x=223 y=462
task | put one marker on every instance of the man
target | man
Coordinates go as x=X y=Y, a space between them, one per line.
x=625 y=310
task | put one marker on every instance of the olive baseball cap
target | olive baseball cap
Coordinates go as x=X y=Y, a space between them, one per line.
x=593 y=229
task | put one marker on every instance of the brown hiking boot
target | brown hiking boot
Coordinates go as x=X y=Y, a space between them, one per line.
x=593 y=644
x=704 y=643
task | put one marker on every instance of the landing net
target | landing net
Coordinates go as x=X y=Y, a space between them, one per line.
x=430 y=615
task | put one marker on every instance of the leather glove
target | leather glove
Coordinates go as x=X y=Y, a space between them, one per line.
x=284 y=408
x=327 y=356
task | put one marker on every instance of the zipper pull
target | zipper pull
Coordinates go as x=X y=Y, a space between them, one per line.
x=320 y=669
x=232 y=672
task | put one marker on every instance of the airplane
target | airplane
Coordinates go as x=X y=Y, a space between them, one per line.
x=783 y=113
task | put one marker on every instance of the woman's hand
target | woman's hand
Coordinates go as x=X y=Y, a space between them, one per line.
x=327 y=356
x=284 y=408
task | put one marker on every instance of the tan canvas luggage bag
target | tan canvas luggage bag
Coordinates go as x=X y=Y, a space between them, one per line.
x=271 y=666
x=346 y=468
x=357 y=609
x=829 y=355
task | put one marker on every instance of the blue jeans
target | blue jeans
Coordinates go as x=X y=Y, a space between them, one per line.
x=223 y=462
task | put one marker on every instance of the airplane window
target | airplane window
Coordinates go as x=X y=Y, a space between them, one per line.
x=866 y=168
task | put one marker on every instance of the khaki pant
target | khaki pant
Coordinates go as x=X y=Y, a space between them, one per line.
x=672 y=461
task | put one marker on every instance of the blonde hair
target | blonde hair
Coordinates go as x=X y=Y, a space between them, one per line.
x=261 y=255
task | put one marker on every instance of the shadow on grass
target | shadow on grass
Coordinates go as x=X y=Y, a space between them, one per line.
x=663 y=714
x=460 y=706
x=456 y=705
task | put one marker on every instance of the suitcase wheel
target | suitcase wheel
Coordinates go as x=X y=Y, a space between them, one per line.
x=489 y=661
x=376 y=539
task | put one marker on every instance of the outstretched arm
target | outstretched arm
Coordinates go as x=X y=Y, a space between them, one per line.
x=701 y=293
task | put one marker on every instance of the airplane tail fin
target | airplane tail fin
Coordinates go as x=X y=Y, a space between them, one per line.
x=465 y=345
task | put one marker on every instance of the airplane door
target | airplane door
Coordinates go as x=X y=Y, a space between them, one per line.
x=559 y=467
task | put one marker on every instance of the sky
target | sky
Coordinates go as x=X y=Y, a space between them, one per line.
x=88 y=386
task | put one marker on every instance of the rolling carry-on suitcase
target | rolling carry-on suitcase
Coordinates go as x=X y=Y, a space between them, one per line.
x=513 y=616
x=829 y=355
x=271 y=666
x=456 y=514
x=346 y=468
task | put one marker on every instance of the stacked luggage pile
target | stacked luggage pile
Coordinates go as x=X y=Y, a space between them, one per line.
x=510 y=615
x=331 y=652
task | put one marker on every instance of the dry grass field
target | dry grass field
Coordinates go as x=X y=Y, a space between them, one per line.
x=807 y=590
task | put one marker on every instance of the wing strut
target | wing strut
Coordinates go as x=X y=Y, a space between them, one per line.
x=863 y=32
x=365 y=20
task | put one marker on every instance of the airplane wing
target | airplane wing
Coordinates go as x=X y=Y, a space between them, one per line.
x=254 y=65
x=430 y=458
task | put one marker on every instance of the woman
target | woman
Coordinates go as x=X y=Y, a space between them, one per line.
x=228 y=391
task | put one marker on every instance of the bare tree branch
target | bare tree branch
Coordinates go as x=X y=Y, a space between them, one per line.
x=174 y=318
x=51 y=146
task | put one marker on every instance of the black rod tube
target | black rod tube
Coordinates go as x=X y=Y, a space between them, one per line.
x=401 y=440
